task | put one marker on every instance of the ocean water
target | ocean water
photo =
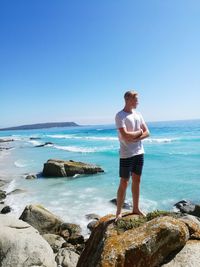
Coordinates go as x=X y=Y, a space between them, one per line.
x=171 y=171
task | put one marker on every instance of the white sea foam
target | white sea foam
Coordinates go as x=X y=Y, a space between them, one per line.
x=35 y=142
x=20 y=163
x=11 y=186
x=82 y=149
x=158 y=140
x=67 y=136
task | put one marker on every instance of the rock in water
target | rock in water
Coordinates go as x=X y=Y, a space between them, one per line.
x=6 y=209
x=21 y=245
x=2 y=194
x=61 y=168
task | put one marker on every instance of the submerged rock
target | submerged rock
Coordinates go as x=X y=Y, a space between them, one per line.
x=61 y=168
x=2 y=194
x=16 y=191
x=35 y=138
x=31 y=177
x=126 y=206
x=45 y=144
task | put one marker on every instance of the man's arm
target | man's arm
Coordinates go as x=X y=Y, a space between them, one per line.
x=145 y=133
x=130 y=136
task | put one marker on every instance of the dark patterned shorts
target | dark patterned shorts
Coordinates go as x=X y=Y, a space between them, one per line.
x=131 y=165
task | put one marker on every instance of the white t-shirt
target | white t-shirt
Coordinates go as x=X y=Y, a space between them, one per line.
x=132 y=122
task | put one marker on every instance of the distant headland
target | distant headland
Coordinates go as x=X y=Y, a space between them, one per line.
x=41 y=126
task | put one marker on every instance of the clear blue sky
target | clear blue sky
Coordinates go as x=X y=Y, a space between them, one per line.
x=73 y=60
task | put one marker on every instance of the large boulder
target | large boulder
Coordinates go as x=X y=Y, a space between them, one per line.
x=61 y=168
x=41 y=219
x=128 y=244
x=22 y=245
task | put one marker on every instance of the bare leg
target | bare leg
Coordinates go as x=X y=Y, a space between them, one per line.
x=121 y=196
x=136 y=194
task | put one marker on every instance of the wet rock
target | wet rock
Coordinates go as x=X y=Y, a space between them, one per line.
x=31 y=177
x=35 y=138
x=16 y=191
x=2 y=194
x=45 y=144
x=126 y=206
x=92 y=216
x=6 y=209
x=67 y=230
x=92 y=225
x=61 y=168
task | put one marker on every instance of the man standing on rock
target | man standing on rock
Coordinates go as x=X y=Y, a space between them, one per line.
x=131 y=130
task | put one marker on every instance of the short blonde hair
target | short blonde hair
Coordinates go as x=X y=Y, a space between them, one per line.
x=129 y=94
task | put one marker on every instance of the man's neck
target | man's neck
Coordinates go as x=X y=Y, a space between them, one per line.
x=128 y=109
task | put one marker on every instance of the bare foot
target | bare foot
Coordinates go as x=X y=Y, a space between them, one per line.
x=139 y=212
x=118 y=216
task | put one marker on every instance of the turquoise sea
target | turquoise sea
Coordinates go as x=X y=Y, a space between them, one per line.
x=171 y=171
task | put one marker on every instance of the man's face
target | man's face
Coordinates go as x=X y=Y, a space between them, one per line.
x=133 y=101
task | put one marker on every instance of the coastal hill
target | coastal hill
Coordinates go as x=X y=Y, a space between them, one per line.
x=41 y=126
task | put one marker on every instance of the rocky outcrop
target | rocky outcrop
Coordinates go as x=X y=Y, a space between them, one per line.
x=61 y=168
x=134 y=241
x=21 y=245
